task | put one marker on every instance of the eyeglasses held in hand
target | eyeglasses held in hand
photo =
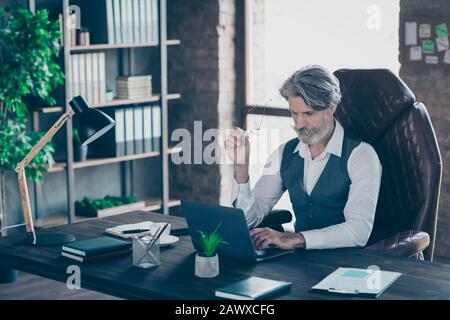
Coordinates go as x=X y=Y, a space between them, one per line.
x=255 y=131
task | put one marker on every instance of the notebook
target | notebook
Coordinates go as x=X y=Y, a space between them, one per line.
x=97 y=257
x=96 y=246
x=365 y=282
x=144 y=225
x=253 y=288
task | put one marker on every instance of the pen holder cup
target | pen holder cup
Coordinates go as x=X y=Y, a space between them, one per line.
x=146 y=252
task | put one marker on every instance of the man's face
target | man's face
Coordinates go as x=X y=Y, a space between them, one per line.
x=310 y=125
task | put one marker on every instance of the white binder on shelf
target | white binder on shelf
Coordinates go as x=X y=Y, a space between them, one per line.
x=110 y=21
x=117 y=21
x=95 y=79
x=156 y=127
x=75 y=75
x=155 y=21
x=82 y=74
x=142 y=21
x=129 y=131
x=136 y=22
x=147 y=117
x=138 y=131
x=148 y=20
x=89 y=78
x=130 y=20
x=124 y=20
x=120 y=132
x=102 y=76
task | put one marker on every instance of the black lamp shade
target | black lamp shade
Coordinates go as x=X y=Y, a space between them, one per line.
x=93 y=123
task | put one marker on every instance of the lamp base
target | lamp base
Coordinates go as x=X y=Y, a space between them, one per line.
x=49 y=238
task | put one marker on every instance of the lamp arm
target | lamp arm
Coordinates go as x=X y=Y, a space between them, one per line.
x=20 y=170
x=44 y=140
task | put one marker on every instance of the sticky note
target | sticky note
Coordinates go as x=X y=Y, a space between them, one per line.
x=428 y=46
x=424 y=31
x=411 y=33
x=447 y=57
x=441 y=30
x=431 y=59
x=415 y=53
x=355 y=274
x=442 y=44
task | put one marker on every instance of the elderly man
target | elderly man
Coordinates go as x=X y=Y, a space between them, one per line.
x=332 y=177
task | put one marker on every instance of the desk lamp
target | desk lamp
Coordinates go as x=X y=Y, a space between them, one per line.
x=92 y=125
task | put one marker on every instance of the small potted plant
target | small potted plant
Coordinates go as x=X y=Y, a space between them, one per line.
x=207 y=261
x=79 y=151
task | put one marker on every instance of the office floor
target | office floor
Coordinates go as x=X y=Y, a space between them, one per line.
x=30 y=287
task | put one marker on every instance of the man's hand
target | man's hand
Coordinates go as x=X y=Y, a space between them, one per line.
x=238 y=147
x=264 y=237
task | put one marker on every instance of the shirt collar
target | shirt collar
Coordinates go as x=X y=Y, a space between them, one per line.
x=334 y=146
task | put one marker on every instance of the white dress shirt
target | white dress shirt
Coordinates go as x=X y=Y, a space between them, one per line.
x=364 y=170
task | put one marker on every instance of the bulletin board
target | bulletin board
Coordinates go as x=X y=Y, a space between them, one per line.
x=424 y=42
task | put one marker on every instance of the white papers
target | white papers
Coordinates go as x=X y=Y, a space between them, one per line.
x=144 y=225
x=357 y=281
x=442 y=44
x=415 y=53
x=447 y=57
x=431 y=59
x=411 y=33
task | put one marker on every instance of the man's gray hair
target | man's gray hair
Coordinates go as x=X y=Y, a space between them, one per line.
x=317 y=86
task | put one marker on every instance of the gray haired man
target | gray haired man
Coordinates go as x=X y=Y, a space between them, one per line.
x=333 y=178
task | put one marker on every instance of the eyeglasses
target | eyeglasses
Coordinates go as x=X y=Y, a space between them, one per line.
x=255 y=131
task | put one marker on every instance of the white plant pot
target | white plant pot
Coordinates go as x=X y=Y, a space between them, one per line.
x=206 y=267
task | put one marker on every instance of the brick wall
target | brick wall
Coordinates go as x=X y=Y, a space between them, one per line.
x=203 y=70
x=431 y=85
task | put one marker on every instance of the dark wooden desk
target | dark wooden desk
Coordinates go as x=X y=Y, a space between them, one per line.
x=175 y=278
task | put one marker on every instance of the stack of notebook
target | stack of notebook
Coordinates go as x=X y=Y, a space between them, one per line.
x=135 y=87
x=95 y=249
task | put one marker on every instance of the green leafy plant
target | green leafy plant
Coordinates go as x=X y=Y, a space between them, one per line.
x=211 y=242
x=16 y=142
x=88 y=204
x=29 y=46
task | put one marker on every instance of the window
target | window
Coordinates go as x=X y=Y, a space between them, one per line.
x=284 y=35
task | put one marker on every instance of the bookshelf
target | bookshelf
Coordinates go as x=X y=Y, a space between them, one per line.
x=126 y=59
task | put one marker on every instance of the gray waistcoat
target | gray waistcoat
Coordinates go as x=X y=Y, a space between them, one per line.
x=325 y=205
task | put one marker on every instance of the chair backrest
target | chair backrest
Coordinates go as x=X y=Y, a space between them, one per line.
x=381 y=109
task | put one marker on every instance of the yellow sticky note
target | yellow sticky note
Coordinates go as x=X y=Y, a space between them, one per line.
x=424 y=31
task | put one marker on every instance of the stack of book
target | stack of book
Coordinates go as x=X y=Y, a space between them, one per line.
x=135 y=87
x=95 y=249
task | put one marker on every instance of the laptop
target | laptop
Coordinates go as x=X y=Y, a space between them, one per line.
x=232 y=227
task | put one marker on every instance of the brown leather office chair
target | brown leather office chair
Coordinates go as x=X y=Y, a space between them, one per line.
x=381 y=109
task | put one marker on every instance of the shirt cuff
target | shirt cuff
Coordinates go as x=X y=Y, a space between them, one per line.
x=240 y=191
x=313 y=239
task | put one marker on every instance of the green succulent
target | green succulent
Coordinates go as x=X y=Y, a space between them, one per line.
x=211 y=242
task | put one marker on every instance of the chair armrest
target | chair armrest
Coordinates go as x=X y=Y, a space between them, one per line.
x=275 y=219
x=409 y=243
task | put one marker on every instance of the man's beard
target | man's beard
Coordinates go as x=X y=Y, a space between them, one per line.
x=313 y=135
